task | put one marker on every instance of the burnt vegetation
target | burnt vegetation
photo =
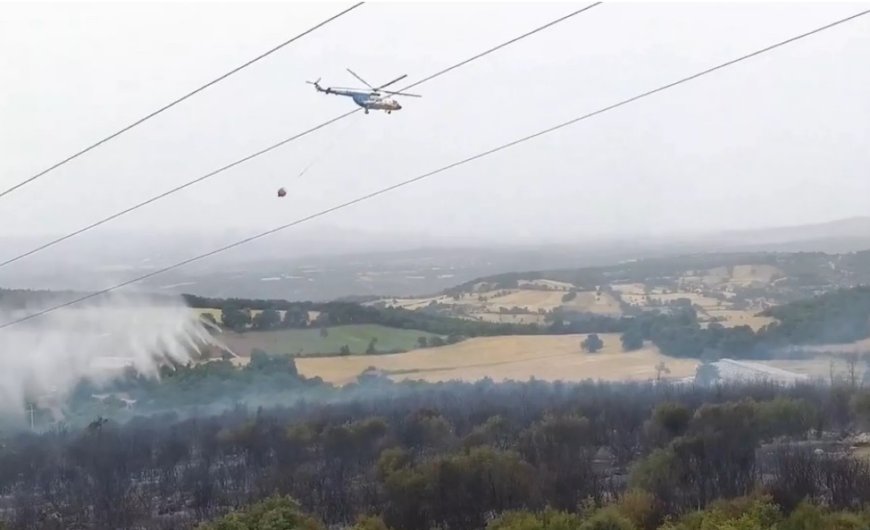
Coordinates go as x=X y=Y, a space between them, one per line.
x=452 y=455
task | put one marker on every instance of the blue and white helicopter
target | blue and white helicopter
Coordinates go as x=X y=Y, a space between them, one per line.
x=371 y=99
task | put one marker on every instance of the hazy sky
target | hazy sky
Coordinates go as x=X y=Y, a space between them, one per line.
x=777 y=140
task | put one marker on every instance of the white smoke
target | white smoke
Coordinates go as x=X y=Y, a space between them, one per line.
x=49 y=355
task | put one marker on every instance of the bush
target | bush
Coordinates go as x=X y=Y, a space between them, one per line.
x=274 y=513
x=592 y=343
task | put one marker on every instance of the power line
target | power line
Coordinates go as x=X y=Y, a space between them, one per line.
x=435 y=172
x=285 y=141
x=177 y=101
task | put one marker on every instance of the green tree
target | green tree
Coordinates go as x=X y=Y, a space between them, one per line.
x=422 y=342
x=592 y=343
x=235 y=318
x=294 y=317
x=274 y=513
x=743 y=513
x=607 y=519
x=786 y=417
x=632 y=339
x=266 y=320
x=668 y=421
x=549 y=519
x=263 y=362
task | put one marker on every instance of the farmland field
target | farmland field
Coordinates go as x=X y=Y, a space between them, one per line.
x=547 y=357
x=735 y=317
x=309 y=341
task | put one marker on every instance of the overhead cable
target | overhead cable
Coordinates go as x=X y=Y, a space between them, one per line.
x=177 y=101
x=432 y=173
x=282 y=142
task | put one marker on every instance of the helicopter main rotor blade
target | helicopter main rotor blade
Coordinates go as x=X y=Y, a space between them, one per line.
x=402 y=94
x=396 y=80
x=363 y=81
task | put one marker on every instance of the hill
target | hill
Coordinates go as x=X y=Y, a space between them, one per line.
x=331 y=264
x=733 y=289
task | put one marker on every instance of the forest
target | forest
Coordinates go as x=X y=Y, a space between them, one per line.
x=837 y=317
x=456 y=456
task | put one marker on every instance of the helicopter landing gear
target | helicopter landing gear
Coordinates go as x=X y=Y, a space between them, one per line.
x=367 y=111
x=389 y=112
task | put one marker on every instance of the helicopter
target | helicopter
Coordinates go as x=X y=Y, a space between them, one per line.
x=371 y=99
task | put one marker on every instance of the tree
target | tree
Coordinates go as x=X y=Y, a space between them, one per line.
x=235 y=318
x=607 y=519
x=661 y=368
x=672 y=419
x=422 y=342
x=263 y=362
x=852 y=362
x=371 y=348
x=632 y=339
x=324 y=332
x=344 y=350
x=861 y=405
x=707 y=374
x=295 y=317
x=267 y=319
x=592 y=343
x=278 y=513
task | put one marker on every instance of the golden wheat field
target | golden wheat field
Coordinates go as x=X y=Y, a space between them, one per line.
x=547 y=357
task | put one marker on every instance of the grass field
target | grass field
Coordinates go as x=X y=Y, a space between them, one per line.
x=736 y=317
x=547 y=357
x=309 y=341
x=739 y=275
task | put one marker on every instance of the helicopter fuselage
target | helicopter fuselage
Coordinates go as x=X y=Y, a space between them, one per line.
x=366 y=100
